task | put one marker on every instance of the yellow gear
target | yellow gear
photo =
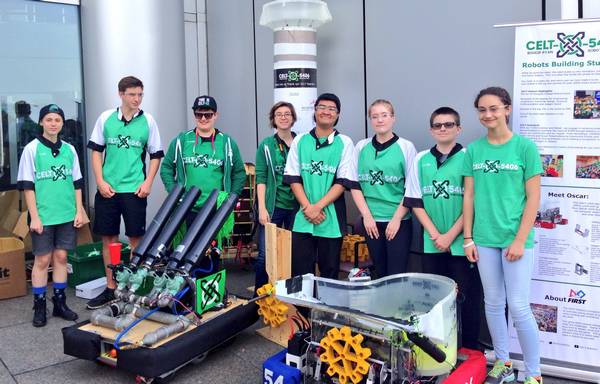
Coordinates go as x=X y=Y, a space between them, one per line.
x=345 y=355
x=273 y=311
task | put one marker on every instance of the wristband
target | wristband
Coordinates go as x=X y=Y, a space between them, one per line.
x=468 y=238
x=468 y=244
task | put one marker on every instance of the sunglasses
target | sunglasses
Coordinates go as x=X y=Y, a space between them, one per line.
x=206 y=115
x=447 y=125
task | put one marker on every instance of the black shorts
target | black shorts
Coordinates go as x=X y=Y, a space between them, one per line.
x=108 y=212
x=59 y=236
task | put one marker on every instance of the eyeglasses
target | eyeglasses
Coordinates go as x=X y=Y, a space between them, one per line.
x=321 y=107
x=447 y=125
x=492 y=109
x=206 y=115
x=383 y=116
x=285 y=114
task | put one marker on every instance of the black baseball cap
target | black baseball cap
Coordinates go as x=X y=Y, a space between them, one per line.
x=330 y=97
x=205 y=102
x=51 y=108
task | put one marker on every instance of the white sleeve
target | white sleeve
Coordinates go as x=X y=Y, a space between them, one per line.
x=26 y=172
x=76 y=170
x=154 y=145
x=346 y=169
x=97 y=136
x=413 y=184
x=410 y=155
x=292 y=165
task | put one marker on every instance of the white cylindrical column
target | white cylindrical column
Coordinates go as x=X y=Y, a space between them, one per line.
x=569 y=9
x=145 y=39
x=295 y=24
x=591 y=9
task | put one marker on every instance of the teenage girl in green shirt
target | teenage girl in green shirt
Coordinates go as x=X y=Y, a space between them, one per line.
x=502 y=192
x=276 y=202
x=382 y=163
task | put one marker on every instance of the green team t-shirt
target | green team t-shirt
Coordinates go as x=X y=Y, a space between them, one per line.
x=382 y=169
x=499 y=175
x=203 y=161
x=440 y=191
x=52 y=171
x=318 y=163
x=284 y=198
x=126 y=144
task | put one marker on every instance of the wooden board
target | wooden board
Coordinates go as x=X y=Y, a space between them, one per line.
x=278 y=255
x=278 y=335
x=136 y=334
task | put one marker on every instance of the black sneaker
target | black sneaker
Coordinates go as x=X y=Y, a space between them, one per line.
x=106 y=297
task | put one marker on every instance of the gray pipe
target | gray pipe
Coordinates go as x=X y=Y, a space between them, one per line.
x=109 y=317
x=161 y=333
x=159 y=317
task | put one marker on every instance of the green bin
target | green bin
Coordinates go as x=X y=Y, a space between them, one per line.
x=85 y=263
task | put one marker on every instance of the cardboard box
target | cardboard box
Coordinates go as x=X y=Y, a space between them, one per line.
x=9 y=200
x=91 y=289
x=14 y=221
x=21 y=230
x=12 y=268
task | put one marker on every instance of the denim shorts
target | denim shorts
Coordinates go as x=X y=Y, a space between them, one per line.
x=58 y=236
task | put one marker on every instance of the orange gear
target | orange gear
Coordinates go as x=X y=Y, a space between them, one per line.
x=273 y=311
x=345 y=355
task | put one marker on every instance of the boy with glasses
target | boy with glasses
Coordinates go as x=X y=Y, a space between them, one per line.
x=123 y=135
x=204 y=157
x=435 y=194
x=318 y=168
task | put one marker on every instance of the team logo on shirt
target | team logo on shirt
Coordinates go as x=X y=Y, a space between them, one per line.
x=55 y=173
x=376 y=177
x=440 y=188
x=202 y=161
x=59 y=172
x=494 y=166
x=317 y=168
x=491 y=166
x=122 y=141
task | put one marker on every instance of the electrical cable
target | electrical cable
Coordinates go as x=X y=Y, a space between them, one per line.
x=197 y=318
x=209 y=270
x=128 y=328
x=178 y=296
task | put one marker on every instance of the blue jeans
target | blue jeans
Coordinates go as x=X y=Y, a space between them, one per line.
x=283 y=218
x=509 y=281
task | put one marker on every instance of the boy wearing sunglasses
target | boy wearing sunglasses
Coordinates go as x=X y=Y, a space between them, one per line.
x=204 y=157
x=435 y=194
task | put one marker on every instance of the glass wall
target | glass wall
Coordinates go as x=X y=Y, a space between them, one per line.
x=40 y=63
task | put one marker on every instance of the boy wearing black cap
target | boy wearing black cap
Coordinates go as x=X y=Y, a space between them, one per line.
x=124 y=135
x=318 y=169
x=204 y=156
x=49 y=168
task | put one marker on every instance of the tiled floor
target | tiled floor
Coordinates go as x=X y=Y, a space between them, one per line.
x=35 y=355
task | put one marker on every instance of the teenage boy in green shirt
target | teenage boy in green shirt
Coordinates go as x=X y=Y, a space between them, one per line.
x=204 y=157
x=318 y=169
x=435 y=194
x=50 y=177
x=123 y=135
